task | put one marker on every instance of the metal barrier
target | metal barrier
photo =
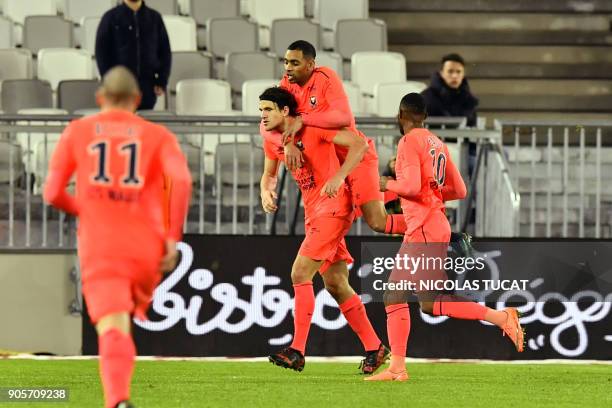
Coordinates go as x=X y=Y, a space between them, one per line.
x=562 y=170
x=225 y=157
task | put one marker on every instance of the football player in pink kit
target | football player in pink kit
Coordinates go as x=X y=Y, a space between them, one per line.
x=426 y=178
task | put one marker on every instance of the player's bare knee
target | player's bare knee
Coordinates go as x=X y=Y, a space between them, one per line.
x=427 y=307
x=302 y=272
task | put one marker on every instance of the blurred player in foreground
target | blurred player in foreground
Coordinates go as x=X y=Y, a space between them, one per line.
x=120 y=161
x=426 y=178
x=328 y=217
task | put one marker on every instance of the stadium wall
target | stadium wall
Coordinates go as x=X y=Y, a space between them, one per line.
x=35 y=295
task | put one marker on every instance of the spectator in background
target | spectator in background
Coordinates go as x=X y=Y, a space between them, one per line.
x=448 y=93
x=134 y=35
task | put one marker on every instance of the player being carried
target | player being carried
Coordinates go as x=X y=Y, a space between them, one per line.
x=323 y=103
x=328 y=217
x=426 y=178
x=120 y=161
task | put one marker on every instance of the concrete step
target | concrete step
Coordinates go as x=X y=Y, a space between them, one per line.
x=422 y=71
x=513 y=54
x=552 y=87
x=540 y=155
x=572 y=230
x=572 y=187
x=466 y=36
x=503 y=6
x=540 y=170
x=552 y=103
x=541 y=216
x=430 y=21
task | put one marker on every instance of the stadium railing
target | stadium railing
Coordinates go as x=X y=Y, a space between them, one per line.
x=225 y=156
x=562 y=169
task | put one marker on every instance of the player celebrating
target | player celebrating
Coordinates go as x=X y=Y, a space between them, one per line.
x=426 y=178
x=329 y=216
x=120 y=161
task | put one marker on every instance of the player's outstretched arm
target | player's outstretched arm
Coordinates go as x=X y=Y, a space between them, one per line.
x=454 y=186
x=269 y=180
x=61 y=169
x=357 y=147
x=408 y=171
x=175 y=167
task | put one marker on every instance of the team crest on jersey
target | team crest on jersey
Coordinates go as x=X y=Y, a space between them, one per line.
x=313 y=101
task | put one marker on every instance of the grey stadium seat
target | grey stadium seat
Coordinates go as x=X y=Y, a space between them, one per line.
x=169 y=7
x=203 y=10
x=242 y=66
x=225 y=35
x=355 y=35
x=8 y=149
x=20 y=94
x=224 y=169
x=287 y=30
x=47 y=32
x=15 y=63
x=75 y=94
x=187 y=65
x=6 y=33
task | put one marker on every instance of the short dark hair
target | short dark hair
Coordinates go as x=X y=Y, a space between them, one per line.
x=414 y=103
x=453 y=57
x=307 y=48
x=281 y=97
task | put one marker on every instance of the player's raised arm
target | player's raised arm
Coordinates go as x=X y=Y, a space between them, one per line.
x=61 y=169
x=175 y=167
x=357 y=146
x=454 y=186
x=408 y=183
x=269 y=180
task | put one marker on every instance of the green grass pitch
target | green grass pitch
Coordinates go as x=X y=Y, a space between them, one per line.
x=185 y=384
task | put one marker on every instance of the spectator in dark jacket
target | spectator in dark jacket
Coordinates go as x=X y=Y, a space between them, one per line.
x=134 y=35
x=448 y=93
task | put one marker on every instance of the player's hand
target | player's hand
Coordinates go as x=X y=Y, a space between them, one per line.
x=331 y=187
x=383 y=183
x=292 y=129
x=159 y=91
x=293 y=157
x=168 y=262
x=268 y=201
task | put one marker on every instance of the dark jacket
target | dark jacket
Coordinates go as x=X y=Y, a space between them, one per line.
x=137 y=40
x=444 y=101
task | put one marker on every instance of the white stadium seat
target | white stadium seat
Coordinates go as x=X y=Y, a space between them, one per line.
x=370 y=67
x=76 y=10
x=181 y=32
x=203 y=97
x=266 y=11
x=58 y=64
x=18 y=10
x=89 y=29
x=354 y=97
x=250 y=94
x=6 y=33
x=327 y=12
x=331 y=60
x=15 y=63
x=387 y=96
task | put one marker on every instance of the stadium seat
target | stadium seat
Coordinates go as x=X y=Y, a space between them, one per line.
x=89 y=28
x=234 y=34
x=328 y=12
x=309 y=8
x=18 y=10
x=369 y=68
x=181 y=32
x=354 y=96
x=6 y=33
x=284 y=31
x=245 y=176
x=360 y=35
x=58 y=64
x=388 y=95
x=250 y=94
x=73 y=95
x=264 y=12
x=187 y=65
x=331 y=60
x=203 y=97
x=184 y=7
x=164 y=7
x=243 y=66
x=47 y=32
x=18 y=94
x=76 y=10
x=204 y=10
x=15 y=63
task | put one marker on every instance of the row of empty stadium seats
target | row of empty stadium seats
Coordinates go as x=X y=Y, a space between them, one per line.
x=56 y=65
x=223 y=35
